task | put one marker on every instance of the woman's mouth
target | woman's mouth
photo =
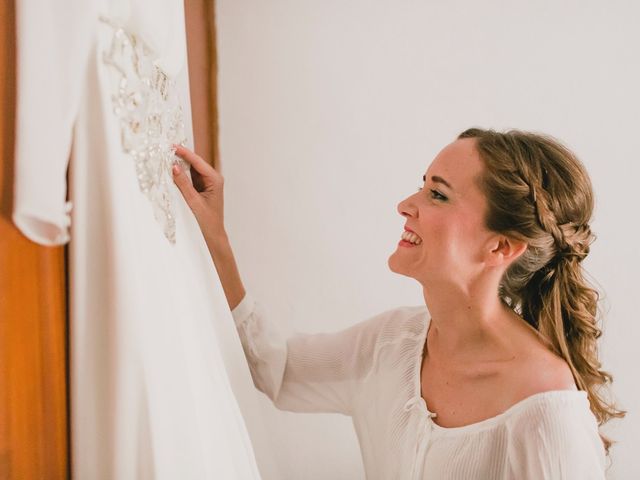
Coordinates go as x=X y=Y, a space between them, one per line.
x=409 y=239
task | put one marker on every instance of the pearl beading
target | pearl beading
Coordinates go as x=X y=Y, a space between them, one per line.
x=151 y=119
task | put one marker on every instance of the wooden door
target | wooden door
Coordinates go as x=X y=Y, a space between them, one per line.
x=33 y=328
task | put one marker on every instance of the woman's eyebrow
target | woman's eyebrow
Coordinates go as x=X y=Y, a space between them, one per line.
x=437 y=179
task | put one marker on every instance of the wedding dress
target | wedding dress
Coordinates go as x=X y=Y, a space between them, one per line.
x=154 y=356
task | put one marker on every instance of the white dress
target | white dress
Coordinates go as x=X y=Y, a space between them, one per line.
x=371 y=372
x=152 y=362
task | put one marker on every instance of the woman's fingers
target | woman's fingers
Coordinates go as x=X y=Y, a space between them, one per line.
x=202 y=167
x=185 y=186
x=203 y=192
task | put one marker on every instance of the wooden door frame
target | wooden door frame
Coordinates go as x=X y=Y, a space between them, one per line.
x=33 y=322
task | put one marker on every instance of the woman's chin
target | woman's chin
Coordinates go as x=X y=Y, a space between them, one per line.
x=395 y=265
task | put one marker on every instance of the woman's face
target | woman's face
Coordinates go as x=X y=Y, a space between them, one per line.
x=449 y=219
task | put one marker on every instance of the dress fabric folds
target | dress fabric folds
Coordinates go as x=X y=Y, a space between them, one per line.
x=159 y=383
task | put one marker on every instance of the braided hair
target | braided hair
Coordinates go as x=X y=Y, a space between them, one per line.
x=540 y=193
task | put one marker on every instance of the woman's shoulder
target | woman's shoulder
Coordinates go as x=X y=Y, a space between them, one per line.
x=535 y=371
x=552 y=412
x=539 y=381
x=556 y=430
x=557 y=425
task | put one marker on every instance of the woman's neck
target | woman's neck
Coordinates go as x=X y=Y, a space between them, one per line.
x=470 y=325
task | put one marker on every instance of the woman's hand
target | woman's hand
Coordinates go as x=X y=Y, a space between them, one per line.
x=206 y=201
x=205 y=195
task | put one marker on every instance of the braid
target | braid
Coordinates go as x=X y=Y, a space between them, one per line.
x=572 y=239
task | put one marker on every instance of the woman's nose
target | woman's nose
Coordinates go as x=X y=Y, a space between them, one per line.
x=404 y=208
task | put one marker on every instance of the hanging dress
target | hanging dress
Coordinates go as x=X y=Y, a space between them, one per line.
x=156 y=377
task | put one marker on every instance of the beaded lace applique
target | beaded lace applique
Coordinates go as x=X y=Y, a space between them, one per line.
x=151 y=119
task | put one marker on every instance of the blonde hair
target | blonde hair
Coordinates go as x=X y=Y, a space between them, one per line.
x=539 y=192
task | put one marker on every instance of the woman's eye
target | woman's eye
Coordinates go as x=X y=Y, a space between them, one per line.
x=439 y=195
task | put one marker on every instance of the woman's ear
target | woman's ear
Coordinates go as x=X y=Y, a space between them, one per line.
x=505 y=250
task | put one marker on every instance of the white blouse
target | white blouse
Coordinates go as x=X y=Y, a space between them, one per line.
x=371 y=372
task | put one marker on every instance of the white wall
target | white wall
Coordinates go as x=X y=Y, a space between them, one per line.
x=330 y=113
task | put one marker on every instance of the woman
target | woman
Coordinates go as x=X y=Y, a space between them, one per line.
x=497 y=375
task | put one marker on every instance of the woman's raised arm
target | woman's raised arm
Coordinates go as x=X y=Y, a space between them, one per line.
x=204 y=195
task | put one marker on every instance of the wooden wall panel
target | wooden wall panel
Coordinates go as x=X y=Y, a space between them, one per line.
x=33 y=391
x=203 y=70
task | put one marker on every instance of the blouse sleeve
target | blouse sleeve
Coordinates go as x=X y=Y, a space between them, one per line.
x=559 y=442
x=306 y=372
x=53 y=42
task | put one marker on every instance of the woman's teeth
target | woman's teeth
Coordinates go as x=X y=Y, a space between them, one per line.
x=411 y=237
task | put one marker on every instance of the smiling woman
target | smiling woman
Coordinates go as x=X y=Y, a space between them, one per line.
x=494 y=377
